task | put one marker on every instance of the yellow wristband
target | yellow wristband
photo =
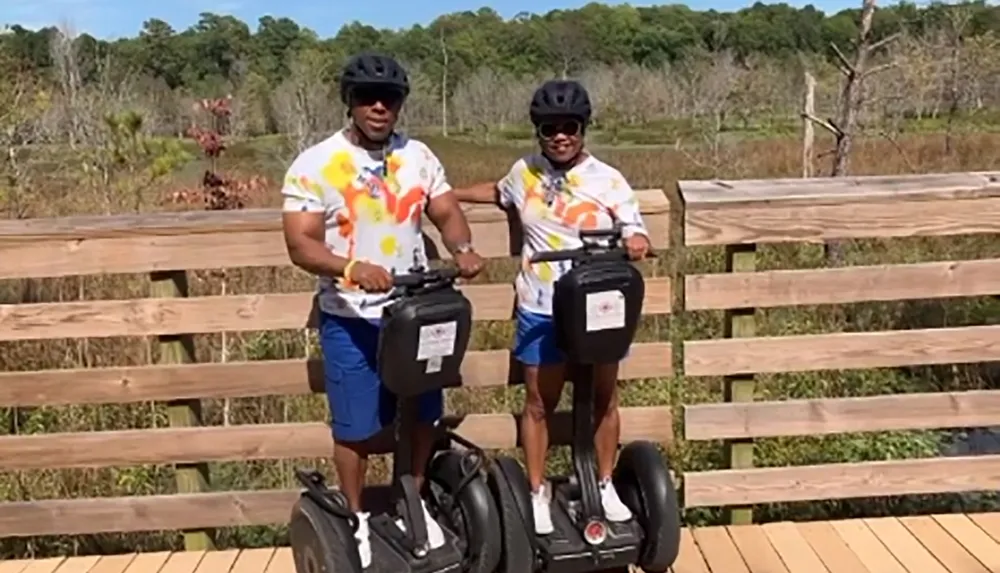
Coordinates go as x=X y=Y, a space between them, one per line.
x=347 y=268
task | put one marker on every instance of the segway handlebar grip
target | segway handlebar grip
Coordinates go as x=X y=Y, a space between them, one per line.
x=421 y=278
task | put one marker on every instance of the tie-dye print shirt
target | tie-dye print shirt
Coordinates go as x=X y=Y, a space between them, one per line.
x=372 y=206
x=554 y=205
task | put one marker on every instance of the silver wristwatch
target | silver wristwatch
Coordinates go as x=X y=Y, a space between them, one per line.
x=463 y=248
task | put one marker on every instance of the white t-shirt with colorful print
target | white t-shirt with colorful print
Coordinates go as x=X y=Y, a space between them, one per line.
x=554 y=206
x=373 y=207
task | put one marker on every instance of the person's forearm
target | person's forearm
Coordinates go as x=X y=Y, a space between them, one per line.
x=455 y=230
x=478 y=193
x=315 y=257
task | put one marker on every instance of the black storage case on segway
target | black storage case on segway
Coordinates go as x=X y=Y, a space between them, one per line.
x=591 y=300
x=431 y=331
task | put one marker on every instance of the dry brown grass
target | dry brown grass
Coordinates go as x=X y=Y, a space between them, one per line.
x=61 y=194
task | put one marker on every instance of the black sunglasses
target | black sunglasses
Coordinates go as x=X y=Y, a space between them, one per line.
x=368 y=96
x=569 y=128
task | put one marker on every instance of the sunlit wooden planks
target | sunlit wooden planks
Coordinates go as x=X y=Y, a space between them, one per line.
x=841 y=481
x=195 y=240
x=480 y=369
x=273 y=441
x=849 y=350
x=843 y=285
x=921 y=411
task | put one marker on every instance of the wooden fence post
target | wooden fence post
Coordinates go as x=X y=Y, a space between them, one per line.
x=179 y=349
x=739 y=323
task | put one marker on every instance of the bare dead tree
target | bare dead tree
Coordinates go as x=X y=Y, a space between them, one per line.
x=808 y=133
x=64 y=57
x=444 y=85
x=958 y=18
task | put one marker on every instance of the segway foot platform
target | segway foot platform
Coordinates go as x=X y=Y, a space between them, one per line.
x=566 y=550
x=390 y=555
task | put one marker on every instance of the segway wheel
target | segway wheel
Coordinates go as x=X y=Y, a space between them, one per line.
x=509 y=486
x=474 y=514
x=643 y=481
x=321 y=542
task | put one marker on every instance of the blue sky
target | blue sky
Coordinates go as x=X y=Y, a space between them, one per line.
x=116 y=18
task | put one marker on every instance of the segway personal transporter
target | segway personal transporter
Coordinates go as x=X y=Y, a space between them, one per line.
x=422 y=342
x=596 y=308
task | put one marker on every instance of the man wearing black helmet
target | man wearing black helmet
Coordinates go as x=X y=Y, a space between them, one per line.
x=556 y=193
x=352 y=216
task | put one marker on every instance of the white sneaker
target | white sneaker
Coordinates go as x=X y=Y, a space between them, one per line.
x=614 y=509
x=541 y=508
x=435 y=535
x=364 y=540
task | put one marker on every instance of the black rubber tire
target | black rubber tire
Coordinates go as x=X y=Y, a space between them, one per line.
x=643 y=481
x=478 y=516
x=509 y=486
x=321 y=542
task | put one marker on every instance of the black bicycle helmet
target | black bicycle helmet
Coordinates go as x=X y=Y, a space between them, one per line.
x=372 y=70
x=560 y=98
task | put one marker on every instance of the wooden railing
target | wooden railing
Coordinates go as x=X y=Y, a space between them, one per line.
x=742 y=214
x=166 y=245
x=734 y=214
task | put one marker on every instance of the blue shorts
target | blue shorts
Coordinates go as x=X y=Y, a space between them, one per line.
x=535 y=339
x=360 y=406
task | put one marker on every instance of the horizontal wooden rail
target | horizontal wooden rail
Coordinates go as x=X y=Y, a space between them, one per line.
x=481 y=369
x=850 y=350
x=152 y=512
x=820 y=209
x=842 y=285
x=924 y=411
x=195 y=240
x=273 y=441
x=842 y=481
x=228 y=313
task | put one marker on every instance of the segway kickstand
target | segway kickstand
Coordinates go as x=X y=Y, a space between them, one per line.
x=408 y=505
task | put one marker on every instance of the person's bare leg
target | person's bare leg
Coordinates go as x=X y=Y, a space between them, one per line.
x=608 y=431
x=606 y=439
x=543 y=386
x=351 y=461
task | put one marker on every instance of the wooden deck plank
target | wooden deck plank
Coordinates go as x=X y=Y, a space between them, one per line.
x=113 y=563
x=830 y=548
x=14 y=566
x=282 y=561
x=904 y=546
x=756 y=549
x=719 y=550
x=183 y=562
x=47 y=565
x=689 y=558
x=81 y=564
x=218 y=561
x=988 y=522
x=148 y=562
x=942 y=545
x=866 y=546
x=793 y=549
x=974 y=539
x=253 y=560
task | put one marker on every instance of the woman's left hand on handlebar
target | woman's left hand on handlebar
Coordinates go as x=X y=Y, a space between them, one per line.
x=637 y=246
x=469 y=264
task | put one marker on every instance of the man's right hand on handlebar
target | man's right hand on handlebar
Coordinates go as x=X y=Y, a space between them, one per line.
x=371 y=278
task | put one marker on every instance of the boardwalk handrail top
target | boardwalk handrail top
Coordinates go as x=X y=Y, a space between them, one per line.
x=172 y=223
x=719 y=193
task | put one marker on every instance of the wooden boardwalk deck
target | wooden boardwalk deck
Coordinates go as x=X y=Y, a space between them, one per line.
x=953 y=543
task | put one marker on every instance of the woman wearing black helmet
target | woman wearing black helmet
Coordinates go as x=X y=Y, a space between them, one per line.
x=352 y=215
x=556 y=193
